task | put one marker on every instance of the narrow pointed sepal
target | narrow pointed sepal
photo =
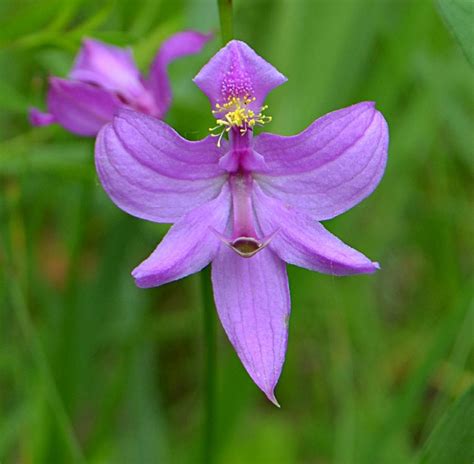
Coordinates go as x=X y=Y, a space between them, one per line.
x=304 y=242
x=253 y=302
x=188 y=247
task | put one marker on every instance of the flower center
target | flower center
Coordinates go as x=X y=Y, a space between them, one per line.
x=236 y=113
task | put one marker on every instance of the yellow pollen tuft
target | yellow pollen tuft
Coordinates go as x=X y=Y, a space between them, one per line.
x=235 y=113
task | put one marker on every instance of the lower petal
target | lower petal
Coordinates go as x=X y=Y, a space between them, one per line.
x=188 y=247
x=253 y=302
x=304 y=242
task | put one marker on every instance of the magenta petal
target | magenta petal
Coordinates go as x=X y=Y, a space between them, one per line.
x=237 y=71
x=253 y=302
x=329 y=167
x=80 y=108
x=151 y=172
x=306 y=243
x=188 y=247
x=110 y=67
x=176 y=46
x=38 y=118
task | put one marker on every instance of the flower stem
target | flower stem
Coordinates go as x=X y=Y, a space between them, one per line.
x=209 y=318
x=209 y=368
x=225 y=17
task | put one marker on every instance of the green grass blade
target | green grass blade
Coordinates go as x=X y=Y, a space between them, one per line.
x=459 y=17
x=452 y=441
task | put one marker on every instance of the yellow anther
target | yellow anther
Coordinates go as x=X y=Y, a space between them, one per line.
x=235 y=113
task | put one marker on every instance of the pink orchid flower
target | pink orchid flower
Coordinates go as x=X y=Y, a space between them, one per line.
x=105 y=78
x=248 y=205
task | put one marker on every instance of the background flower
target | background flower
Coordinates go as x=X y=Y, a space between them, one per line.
x=105 y=78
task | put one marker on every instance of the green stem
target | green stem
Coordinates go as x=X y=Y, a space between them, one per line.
x=209 y=318
x=209 y=369
x=225 y=17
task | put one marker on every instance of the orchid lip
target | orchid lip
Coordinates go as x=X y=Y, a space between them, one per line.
x=246 y=247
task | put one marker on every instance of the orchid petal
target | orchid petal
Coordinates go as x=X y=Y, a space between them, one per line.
x=253 y=302
x=80 y=108
x=176 y=46
x=329 y=167
x=237 y=71
x=155 y=143
x=38 y=118
x=302 y=241
x=189 y=245
x=107 y=66
x=153 y=173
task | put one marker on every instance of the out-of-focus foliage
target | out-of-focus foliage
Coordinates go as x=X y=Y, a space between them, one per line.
x=459 y=15
x=453 y=439
x=94 y=370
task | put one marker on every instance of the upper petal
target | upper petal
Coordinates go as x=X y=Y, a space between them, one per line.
x=189 y=245
x=176 y=46
x=110 y=67
x=81 y=108
x=302 y=241
x=151 y=172
x=237 y=71
x=253 y=302
x=329 y=167
x=155 y=143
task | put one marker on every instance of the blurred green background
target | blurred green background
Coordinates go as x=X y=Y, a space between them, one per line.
x=93 y=369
